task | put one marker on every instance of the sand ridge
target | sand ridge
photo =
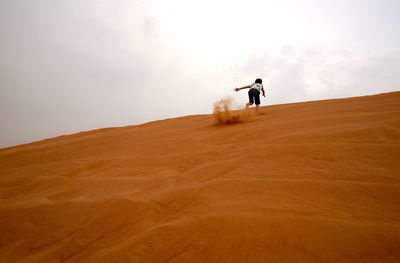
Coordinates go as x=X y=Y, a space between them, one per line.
x=304 y=182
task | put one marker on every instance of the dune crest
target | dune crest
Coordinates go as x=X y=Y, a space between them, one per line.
x=306 y=182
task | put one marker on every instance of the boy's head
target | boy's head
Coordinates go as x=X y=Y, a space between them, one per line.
x=259 y=81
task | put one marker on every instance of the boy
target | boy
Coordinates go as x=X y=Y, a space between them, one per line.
x=254 y=93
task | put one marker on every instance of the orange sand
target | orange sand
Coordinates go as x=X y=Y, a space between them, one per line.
x=224 y=114
x=305 y=182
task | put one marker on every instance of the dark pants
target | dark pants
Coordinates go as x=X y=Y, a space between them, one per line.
x=254 y=96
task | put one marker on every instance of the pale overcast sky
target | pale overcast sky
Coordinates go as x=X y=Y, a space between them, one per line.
x=72 y=65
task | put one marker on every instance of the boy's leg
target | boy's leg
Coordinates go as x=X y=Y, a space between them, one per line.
x=251 y=99
x=257 y=101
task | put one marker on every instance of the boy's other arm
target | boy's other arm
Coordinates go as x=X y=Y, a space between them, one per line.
x=245 y=87
x=263 y=92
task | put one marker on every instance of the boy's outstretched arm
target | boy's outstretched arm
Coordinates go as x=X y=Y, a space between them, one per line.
x=245 y=87
x=263 y=92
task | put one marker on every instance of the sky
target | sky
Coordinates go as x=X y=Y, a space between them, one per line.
x=69 y=65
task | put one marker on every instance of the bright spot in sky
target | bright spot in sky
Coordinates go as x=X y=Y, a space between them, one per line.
x=226 y=31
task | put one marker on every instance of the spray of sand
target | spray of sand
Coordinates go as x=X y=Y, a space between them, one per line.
x=225 y=114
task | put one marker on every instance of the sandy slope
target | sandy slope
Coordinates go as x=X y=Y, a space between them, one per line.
x=306 y=182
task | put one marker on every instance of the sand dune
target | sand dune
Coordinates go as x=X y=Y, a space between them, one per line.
x=305 y=182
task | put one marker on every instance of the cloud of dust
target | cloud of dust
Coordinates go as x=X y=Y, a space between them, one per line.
x=225 y=114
